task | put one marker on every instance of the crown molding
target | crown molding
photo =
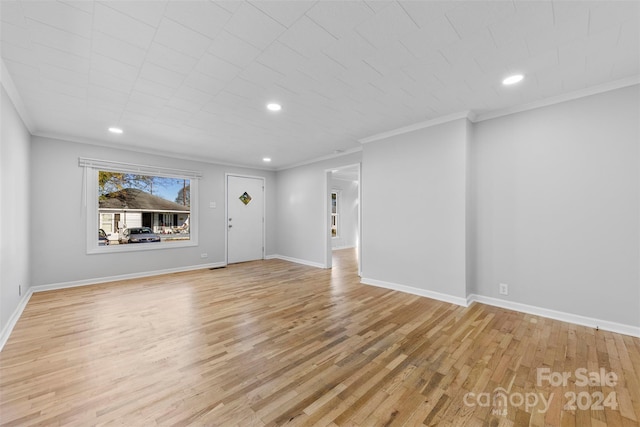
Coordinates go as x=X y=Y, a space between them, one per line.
x=173 y=155
x=14 y=96
x=593 y=90
x=417 y=126
x=474 y=117
x=319 y=159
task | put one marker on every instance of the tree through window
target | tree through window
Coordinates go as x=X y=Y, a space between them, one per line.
x=128 y=201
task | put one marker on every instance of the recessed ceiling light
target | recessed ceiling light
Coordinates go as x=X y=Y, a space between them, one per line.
x=115 y=130
x=274 y=107
x=512 y=79
x=266 y=159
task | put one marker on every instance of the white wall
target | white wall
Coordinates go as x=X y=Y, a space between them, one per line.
x=547 y=201
x=347 y=213
x=557 y=206
x=414 y=210
x=14 y=209
x=301 y=209
x=58 y=229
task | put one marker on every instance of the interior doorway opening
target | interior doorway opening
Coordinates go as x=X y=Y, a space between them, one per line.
x=343 y=211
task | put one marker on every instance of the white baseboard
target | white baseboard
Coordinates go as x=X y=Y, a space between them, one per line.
x=338 y=248
x=296 y=260
x=557 y=315
x=510 y=305
x=415 y=291
x=6 y=331
x=97 y=280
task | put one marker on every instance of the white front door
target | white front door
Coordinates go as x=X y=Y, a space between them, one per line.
x=245 y=218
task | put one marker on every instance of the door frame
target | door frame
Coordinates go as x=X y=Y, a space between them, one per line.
x=226 y=212
x=328 y=250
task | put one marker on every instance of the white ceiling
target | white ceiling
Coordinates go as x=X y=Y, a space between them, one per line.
x=193 y=77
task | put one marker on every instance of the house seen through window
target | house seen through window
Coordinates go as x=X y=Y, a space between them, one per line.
x=142 y=208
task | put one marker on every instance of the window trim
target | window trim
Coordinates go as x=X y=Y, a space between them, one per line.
x=91 y=168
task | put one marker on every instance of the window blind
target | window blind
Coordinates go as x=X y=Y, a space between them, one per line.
x=112 y=166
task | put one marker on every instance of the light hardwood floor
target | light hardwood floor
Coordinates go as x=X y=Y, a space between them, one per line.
x=276 y=343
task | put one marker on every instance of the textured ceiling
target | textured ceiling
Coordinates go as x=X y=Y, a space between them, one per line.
x=193 y=77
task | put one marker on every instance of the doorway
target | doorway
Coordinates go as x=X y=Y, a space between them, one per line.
x=343 y=211
x=245 y=218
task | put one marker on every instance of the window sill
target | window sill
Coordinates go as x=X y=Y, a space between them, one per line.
x=139 y=247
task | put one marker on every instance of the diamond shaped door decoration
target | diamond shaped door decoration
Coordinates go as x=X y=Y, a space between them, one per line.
x=245 y=198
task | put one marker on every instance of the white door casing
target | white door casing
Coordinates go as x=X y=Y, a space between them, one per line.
x=245 y=218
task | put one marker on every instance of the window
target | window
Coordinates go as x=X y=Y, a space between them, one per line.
x=139 y=207
x=334 y=213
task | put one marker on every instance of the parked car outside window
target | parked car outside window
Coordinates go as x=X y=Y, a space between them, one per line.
x=138 y=235
x=103 y=240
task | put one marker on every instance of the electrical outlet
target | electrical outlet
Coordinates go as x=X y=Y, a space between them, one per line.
x=203 y=255
x=504 y=289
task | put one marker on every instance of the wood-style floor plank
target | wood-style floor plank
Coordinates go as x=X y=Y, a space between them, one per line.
x=271 y=343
